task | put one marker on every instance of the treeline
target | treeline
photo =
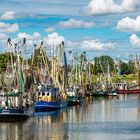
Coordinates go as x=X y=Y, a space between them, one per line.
x=5 y=60
x=105 y=64
x=102 y=64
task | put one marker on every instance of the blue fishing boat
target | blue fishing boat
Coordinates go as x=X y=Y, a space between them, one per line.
x=51 y=93
x=49 y=106
x=49 y=99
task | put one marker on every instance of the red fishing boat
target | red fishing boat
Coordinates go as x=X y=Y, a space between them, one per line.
x=130 y=90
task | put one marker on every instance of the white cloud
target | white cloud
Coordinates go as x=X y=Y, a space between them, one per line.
x=8 y=15
x=72 y=44
x=31 y=39
x=134 y=40
x=73 y=23
x=8 y=28
x=130 y=5
x=34 y=36
x=128 y=24
x=54 y=39
x=49 y=30
x=96 y=45
x=3 y=36
x=98 y=7
x=89 y=44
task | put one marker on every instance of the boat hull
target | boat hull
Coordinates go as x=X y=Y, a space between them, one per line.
x=135 y=91
x=105 y=94
x=49 y=106
x=73 y=101
x=89 y=93
x=13 y=117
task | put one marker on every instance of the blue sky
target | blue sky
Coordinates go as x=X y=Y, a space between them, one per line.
x=99 y=27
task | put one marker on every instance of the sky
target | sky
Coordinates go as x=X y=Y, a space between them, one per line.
x=99 y=27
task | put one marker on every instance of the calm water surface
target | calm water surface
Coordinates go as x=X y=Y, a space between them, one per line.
x=116 y=118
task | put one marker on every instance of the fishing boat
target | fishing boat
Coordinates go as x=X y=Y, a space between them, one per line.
x=129 y=91
x=73 y=97
x=90 y=89
x=105 y=89
x=51 y=90
x=12 y=109
x=133 y=87
x=49 y=99
x=75 y=93
x=105 y=93
x=124 y=88
x=15 y=103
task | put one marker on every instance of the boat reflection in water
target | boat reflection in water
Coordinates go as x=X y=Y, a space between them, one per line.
x=50 y=125
x=99 y=118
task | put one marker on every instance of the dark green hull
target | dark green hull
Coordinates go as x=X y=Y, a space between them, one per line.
x=73 y=100
x=105 y=93
x=13 y=115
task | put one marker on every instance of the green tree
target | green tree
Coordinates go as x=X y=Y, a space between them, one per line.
x=4 y=58
x=131 y=67
x=101 y=64
x=127 y=68
x=124 y=68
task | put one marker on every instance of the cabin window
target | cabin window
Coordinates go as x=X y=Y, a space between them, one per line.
x=43 y=93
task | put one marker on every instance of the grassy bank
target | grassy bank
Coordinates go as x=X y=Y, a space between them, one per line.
x=127 y=78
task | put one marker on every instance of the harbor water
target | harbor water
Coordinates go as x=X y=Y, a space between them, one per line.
x=98 y=118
